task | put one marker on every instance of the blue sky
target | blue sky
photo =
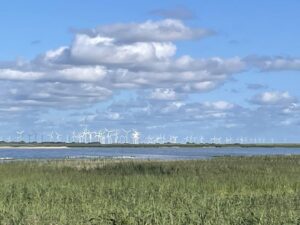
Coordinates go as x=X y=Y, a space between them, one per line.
x=211 y=68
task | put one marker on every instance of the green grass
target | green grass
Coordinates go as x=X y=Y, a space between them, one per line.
x=244 y=191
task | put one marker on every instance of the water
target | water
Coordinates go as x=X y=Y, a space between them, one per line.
x=139 y=153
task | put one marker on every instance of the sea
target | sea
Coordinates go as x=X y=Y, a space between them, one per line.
x=163 y=153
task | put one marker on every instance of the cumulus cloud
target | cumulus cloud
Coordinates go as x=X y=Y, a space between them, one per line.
x=99 y=50
x=113 y=116
x=172 y=107
x=219 y=105
x=274 y=63
x=273 y=98
x=151 y=31
x=201 y=118
x=168 y=113
x=85 y=74
x=125 y=43
x=101 y=62
x=163 y=94
x=46 y=95
x=12 y=74
x=82 y=73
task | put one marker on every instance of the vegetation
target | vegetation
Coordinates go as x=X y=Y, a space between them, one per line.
x=221 y=191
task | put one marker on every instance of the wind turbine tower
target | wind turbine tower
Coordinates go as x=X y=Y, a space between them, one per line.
x=135 y=137
x=20 y=135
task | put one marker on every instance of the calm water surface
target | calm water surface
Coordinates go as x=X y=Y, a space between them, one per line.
x=140 y=153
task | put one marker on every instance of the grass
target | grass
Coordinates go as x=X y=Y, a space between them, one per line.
x=221 y=191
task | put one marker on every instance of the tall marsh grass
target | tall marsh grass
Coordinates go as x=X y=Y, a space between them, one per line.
x=237 y=190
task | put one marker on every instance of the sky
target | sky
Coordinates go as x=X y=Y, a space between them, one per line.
x=209 y=68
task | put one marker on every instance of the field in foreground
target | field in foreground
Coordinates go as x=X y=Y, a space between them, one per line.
x=255 y=190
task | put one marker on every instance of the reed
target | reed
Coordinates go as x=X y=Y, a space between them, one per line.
x=221 y=191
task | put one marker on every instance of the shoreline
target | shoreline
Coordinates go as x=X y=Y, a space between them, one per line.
x=167 y=145
x=34 y=147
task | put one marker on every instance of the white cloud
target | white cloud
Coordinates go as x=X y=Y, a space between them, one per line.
x=219 y=105
x=113 y=116
x=79 y=73
x=273 y=98
x=282 y=64
x=172 y=107
x=163 y=94
x=11 y=109
x=12 y=74
x=85 y=74
x=125 y=58
x=52 y=55
x=274 y=63
x=146 y=61
x=151 y=31
x=98 y=50
x=103 y=61
x=47 y=95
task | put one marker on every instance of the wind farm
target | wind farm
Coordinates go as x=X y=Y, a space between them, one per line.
x=133 y=138
x=150 y=112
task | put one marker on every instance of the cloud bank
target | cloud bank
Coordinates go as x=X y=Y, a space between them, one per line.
x=102 y=62
x=111 y=58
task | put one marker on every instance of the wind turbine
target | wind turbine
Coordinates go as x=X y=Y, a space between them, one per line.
x=173 y=139
x=42 y=138
x=74 y=136
x=214 y=140
x=201 y=140
x=85 y=134
x=135 y=137
x=228 y=140
x=218 y=140
x=186 y=140
x=116 y=134
x=98 y=136
x=241 y=140
x=81 y=137
x=58 y=136
x=109 y=135
x=103 y=137
x=148 y=140
x=29 y=138
x=20 y=135
x=272 y=140
x=90 y=135
x=51 y=136
x=34 y=133
x=127 y=132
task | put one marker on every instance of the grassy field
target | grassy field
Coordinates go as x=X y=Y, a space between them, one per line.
x=244 y=191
